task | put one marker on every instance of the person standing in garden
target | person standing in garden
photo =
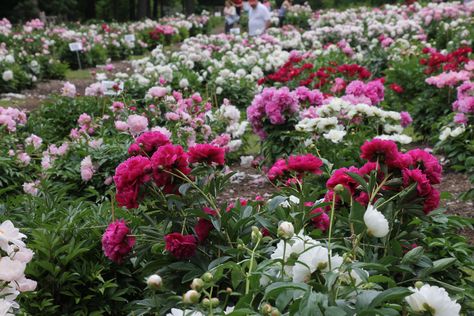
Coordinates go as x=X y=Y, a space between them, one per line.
x=238 y=6
x=259 y=18
x=230 y=15
x=285 y=6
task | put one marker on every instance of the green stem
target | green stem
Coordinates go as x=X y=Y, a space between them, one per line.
x=252 y=257
x=333 y=205
x=283 y=260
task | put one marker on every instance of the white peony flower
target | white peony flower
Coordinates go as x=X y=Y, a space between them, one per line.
x=246 y=161
x=7 y=75
x=154 y=281
x=183 y=83
x=11 y=270
x=433 y=299
x=377 y=224
x=315 y=258
x=10 y=235
x=335 y=135
x=457 y=131
x=187 y=312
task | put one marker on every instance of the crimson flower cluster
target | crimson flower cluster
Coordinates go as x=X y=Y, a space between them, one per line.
x=155 y=158
x=294 y=168
x=414 y=167
x=447 y=62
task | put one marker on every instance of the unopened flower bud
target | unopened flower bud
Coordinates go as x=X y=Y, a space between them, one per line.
x=256 y=234
x=229 y=290
x=191 y=297
x=339 y=188
x=154 y=281
x=214 y=302
x=206 y=302
x=266 y=309
x=197 y=284
x=275 y=312
x=419 y=284
x=286 y=230
x=207 y=277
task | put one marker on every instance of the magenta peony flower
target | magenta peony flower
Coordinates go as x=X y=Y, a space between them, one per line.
x=204 y=226
x=181 y=246
x=166 y=159
x=116 y=241
x=277 y=170
x=460 y=118
x=431 y=201
x=321 y=221
x=405 y=119
x=129 y=176
x=423 y=186
x=340 y=176
x=305 y=163
x=207 y=153
x=428 y=164
x=148 y=143
x=379 y=150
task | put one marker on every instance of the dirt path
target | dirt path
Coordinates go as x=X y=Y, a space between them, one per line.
x=32 y=98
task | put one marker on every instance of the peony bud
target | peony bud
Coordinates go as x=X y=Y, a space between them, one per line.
x=207 y=277
x=266 y=309
x=206 y=302
x=256 y=234
x=275 y=312
x=197 y=284
x=339 y=188
x=191 y=297
x=286 y=230
x=214 y=302
x=154 y=281
x=419 y=284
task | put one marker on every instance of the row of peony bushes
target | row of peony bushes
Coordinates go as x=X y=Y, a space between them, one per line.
x=34 y=51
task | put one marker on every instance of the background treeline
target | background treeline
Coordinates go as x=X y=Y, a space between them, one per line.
x=124 y=10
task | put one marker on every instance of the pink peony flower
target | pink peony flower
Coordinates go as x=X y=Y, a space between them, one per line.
x=181 y=246
x=166 y=160
x=87 y=169
x=137 y=124
x=321 y=220
x=148 y=142
x=121 y=126
x=384 y=151
x=68 y=90
x=460 y=118
x=129 y=176
x=423 y=186
x=405 y=119
x=340 y=176
x=431 y=201
x=428 y=164
x=157 y=92
x=117 y=242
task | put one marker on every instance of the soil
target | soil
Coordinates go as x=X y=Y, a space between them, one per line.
x=32 y=98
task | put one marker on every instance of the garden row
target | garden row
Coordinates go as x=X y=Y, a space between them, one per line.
x=119 y=190
x=35 y=51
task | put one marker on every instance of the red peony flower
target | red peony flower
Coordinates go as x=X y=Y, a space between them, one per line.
x=305 y=163
x=340 y=176
x=149 y=142
x=181 y=246
x=166 y=159
x=396 y=88
x=116 y=241
x=320 y=221
x=128 y=178
x=423 y=186
x=277 y=170
x=204 y=226
x=431 y=201
x=381 y=150
x=428 y=163
x=207 y=153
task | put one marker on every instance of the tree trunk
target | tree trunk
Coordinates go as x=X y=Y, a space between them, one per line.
x=162 y=8
x=155 y=9
x=141 y=12
x=131 y=9
x=90 y=9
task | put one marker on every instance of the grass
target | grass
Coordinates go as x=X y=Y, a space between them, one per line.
x=78 y=74
x=15 y=103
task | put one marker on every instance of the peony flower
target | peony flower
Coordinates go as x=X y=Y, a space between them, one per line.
x=204 y=226
x=379 y=150
x=117 y=242
x=340 y=176
x=187 y=312
x=423 y=185
x=31 y=188
x=7 y=75
x=321 y=220
x=460 y=118
x=207 y=153
x=431 y=201
x=377 y=224
x=9 y=234
x=68 y=90
x=25 y=285
x=427 y=163
x=181 y=246
x=149 y=142
x=11 y=270
x=137 y=124
x=405 y=119
x=156 y=92
x=432 y=299
x=128 y=178
x=87 y=169
x=121 y=126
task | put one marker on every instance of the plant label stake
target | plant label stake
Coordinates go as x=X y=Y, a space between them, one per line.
x=76 y=47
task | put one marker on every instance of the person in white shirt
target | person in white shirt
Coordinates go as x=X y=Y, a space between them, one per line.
x=259 y=18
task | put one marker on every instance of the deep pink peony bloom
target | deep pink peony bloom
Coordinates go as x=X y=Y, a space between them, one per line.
x=149 y=142
x=277 y=170
x=385 y=151
x=207 y=153
x=367 y=168
x=321 y=221
x=405 y=119
x=431 y=201
x=428 y=164
x=116 y=241
x=340 y=176
x=129 y=176
x=169 y=158
x=181 y=246
x=305 y=163
x=423 y=186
